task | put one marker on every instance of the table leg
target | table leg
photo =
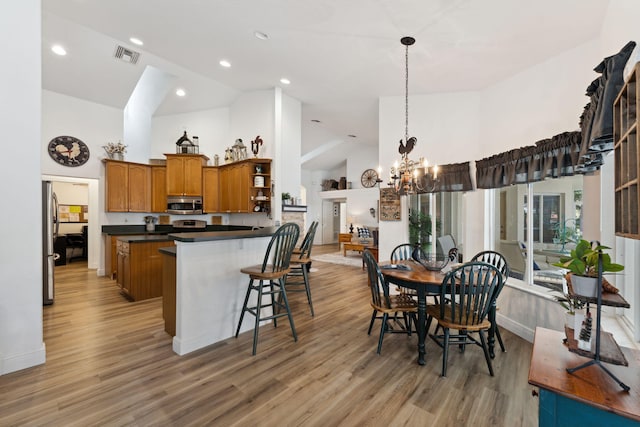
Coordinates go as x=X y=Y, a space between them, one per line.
x=422 y=332
x=492 y=331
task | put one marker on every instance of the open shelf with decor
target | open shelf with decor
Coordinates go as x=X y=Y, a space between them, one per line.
x=604 y=348
x=627 y=157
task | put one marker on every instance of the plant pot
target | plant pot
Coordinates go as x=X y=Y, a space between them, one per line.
x=585 y=286
x=569 y=319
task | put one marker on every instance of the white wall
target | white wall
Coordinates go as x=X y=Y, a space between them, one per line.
x=92 y=123
x=21 y=343
x=151 y=89
x=210 y=126
x=290 y=124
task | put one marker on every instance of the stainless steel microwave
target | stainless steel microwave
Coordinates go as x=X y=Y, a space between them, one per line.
x=184 y=205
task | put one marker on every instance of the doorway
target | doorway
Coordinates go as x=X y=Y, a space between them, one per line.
x=90 y=188
x=333 y=219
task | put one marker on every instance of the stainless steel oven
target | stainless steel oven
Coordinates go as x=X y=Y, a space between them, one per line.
x=184 y=205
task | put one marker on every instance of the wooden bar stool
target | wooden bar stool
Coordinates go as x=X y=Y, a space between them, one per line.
x=301 y=264
x=271 y=276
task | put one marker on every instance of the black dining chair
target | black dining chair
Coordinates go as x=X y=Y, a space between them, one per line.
x=271 y=276
x=383 y=302
x=403 y=252
x=470 y=290
x=300 y=265
x=500 y=262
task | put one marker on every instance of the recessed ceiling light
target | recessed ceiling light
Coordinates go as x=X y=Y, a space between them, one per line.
x=316 y=121
x=181 y=92
x=58 y=50
x=260 y=35
x=285 y=81
x=225 y=63
x=137 y=41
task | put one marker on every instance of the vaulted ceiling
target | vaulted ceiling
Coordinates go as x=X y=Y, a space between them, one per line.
x=340 y=55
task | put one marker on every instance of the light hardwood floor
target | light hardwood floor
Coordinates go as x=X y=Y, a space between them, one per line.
x=109 y=362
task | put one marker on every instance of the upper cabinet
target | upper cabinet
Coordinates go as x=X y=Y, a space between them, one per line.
x=127 y=186
x=184 y=174
x=158 y=188
x=245 y=186
x=211 y=189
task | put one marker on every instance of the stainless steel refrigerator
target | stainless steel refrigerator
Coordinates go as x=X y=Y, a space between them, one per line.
x=50 y=227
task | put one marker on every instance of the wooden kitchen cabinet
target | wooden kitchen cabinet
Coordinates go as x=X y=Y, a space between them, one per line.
x=123 y=276
x=111 y=256
x=139 y=266
x=117 y=186
x=139 y=188
x=184 y=174
x=238 y=194
x=127 y=186
x=211 y=189
x=158 y=188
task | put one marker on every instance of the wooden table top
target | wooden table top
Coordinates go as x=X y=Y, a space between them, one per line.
x=591 y=385
x=418 y=274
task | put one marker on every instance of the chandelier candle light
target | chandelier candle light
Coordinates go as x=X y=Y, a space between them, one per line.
x=408 y=176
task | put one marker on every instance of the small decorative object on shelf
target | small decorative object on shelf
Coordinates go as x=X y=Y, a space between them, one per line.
x=115 y=151
x=216 y=160
x=238 y=151
x=255 y=146
x=286 y=198
x=584 y=339
x=185 y=146
x=228 y=157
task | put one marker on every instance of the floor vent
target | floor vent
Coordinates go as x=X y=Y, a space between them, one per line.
x=127 y=55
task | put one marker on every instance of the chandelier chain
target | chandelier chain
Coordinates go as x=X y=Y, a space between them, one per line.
x=406 y=93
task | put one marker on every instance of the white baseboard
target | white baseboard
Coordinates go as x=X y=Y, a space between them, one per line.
x=18 y=362
x=512 y=326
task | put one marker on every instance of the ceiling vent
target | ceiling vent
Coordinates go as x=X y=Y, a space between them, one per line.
x=127 y=55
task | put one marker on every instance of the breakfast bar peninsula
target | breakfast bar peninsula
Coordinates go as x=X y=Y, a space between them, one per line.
x=203 y=289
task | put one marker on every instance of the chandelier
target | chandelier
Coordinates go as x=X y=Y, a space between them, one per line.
x=409 y=176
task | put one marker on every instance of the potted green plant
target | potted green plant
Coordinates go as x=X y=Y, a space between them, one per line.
x=420 y=229
x=286 y=197
x=583 y=267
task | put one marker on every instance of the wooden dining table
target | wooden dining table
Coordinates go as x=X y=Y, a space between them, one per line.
x=424 y=282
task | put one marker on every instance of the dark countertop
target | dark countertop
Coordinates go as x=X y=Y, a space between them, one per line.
x=207 y=236
x=145 y=238
x=123 y=230
x=168 y=250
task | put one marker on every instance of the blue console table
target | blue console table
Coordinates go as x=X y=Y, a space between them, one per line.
x=588 y=397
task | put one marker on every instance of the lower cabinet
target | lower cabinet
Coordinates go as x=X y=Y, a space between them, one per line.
x=169 y=293
x=139 y=272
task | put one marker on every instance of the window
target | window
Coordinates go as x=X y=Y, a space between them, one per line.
x=547 y=211
x=446 y=213
x=556 y=213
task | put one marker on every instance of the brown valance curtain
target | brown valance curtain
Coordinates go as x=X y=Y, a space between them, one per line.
x=548 y=158
x=452 y=177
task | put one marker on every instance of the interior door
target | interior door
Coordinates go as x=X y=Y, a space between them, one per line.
x=328 y=234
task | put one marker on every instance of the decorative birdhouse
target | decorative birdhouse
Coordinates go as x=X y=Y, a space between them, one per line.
x=185 y=146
